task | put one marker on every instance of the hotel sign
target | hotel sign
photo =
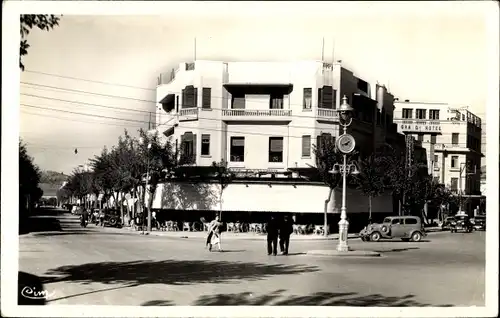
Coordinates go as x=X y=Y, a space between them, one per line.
x=412 y=126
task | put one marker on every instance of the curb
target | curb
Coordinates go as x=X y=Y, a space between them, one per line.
x=352 y=253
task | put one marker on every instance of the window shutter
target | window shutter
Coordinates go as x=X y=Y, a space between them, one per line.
x=194 y=147
x=206 y=98
x=327 y=98
x=320 y=97
x=195 y=97
x=306 y=146
x=276 y=144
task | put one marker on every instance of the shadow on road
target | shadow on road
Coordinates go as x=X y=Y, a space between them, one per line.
x=172 y=272
x=277 y=298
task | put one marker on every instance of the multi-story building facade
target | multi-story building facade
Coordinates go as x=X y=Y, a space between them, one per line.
x=264 y=118
x=452 y=138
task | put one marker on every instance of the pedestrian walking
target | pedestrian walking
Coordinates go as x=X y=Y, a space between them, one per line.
x=286 y=229
x=214 y=234
x=272 y=236
x=101 y=217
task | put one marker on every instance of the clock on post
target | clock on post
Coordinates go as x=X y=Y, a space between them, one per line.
x=346 y=143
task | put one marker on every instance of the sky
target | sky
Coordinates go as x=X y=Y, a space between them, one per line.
x=435 y=52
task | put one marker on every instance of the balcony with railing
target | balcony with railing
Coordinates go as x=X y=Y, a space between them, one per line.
x=327 y=114
x=257 y=114
x=187 y=114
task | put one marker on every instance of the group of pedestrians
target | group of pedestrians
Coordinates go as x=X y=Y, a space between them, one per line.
x=281 y=229
x=276 y=229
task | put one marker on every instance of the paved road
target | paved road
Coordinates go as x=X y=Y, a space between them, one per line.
x=103 y=267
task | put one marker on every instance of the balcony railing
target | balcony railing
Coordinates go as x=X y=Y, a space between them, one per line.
x=167 y=77
x=256 y=112
x=326 y=113
x=188 y=114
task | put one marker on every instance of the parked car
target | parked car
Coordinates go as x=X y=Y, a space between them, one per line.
x=462 y=223
x=112 y=218
x=479 y=222
x=447 y=223
x=404 y=227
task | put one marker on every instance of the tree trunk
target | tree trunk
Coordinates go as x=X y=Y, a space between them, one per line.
x=121 y=208
x=220 y=202
x=152 y=192
x=370 y=208
x=134 y=194
x=325 y=214
x=114 y=197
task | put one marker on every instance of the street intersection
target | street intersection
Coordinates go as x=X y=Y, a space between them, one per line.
x=96 y=266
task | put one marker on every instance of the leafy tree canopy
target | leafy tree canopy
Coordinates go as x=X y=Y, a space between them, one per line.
x=28 y=21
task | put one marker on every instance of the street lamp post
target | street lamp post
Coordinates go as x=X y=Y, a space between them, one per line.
x=345 y=144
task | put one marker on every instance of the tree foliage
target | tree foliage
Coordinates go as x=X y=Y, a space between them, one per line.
x=370 y=179
x=29 y=179
x=28 y=21
x=327 y=156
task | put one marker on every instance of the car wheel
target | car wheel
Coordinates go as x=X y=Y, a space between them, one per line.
x=416 y=237
x=375 y=237
x=113 y=221
x=363 y=239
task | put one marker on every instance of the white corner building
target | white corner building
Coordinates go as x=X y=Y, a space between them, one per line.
x=263 y=119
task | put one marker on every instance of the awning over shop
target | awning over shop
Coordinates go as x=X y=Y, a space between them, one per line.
x=168 y=102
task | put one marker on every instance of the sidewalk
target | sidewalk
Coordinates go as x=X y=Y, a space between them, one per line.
x=234 y=236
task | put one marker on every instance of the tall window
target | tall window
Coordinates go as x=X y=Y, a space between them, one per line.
x=433 y=139
x=306 y=146
x=276 y=102
x=326 y=97
x=407 y=113
x=275 y=149
x=436 y=158
x=177 y=103
x=434 y=114
x=420 y=138
x=421 y=113
x=237 y=149
x=188 y=147
x=454 y=138
x=307 y=102
x=454 y=184
x=205 y=145
x=454 y=161
x=189 y=97
x=206 y=98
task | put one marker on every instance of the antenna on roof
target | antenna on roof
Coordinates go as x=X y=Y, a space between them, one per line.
x=323 y=50
x=333 y=51
x=195 y=48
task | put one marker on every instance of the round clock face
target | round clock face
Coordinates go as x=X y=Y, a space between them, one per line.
x=346 y=143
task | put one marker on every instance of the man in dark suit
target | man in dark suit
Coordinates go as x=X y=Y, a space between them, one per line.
x=286 y=229
x=272 y=236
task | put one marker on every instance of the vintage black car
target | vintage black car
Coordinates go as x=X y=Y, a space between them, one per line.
x=462 y=223
x=479 y=222
x=447 y=223
x=405 y=228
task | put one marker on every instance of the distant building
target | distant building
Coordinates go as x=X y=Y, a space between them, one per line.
x=264 y=119
x=452 y=137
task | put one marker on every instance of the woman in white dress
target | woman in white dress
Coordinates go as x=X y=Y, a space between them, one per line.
x=214 y=230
